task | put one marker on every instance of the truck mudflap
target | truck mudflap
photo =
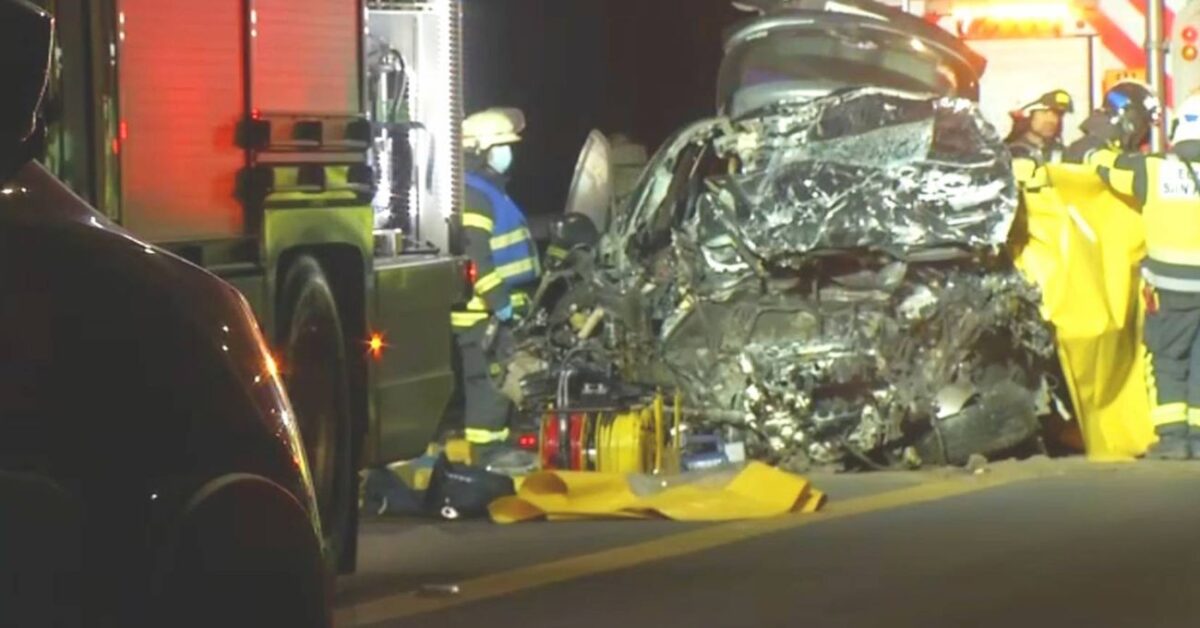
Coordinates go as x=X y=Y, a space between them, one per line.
x=1082 y=245
x=412 y=376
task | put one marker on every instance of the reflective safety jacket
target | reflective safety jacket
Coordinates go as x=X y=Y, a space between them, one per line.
x=1167 y=190
x=1022 y=148
x=1029 y=173
x=498 y=241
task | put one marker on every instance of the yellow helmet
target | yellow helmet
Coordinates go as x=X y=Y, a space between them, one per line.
x=492 y=127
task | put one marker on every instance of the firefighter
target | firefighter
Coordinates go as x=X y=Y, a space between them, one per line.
x=1123 y=124
x=498 y=242
x=1166 y=189
x=573 y=232
x=1037 y=128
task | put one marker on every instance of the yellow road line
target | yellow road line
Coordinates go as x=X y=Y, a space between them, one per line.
x=522 y=579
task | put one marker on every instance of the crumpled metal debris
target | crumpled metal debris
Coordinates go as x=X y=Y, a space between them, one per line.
x=827 y=276
x=869 y=169
x=824 y=377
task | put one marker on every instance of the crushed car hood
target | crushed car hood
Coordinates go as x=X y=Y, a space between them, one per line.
x=868 y=169
x=826 y=278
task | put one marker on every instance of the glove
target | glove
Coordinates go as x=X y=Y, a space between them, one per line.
x=505 y=313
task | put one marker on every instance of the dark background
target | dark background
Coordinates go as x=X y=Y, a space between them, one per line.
x=639 y=67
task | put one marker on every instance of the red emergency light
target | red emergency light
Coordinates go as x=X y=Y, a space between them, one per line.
x=1189 y=34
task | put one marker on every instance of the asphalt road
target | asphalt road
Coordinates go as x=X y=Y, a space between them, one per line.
x=1025 y=544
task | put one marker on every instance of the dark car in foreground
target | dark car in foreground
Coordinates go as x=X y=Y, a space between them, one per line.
x=151 y=471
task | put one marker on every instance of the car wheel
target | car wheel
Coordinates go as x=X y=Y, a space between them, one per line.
x=315 y=371
x=244 y=554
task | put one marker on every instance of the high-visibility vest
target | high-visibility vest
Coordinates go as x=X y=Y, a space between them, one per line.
x=514 y=254
x=1172 y=219
x=1168 y=190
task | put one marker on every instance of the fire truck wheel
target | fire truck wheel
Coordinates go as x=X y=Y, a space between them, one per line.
x=314 y=370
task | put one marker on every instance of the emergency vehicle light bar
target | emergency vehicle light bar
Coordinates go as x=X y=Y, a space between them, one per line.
x=1024 y=12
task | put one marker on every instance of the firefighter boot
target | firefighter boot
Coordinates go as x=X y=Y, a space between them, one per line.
x=1172 y=443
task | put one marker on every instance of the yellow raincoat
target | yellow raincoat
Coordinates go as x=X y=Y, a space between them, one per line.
x=1082 y=245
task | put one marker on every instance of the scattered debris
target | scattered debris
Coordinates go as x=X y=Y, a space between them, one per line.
x=977 y=464
x=438 y=590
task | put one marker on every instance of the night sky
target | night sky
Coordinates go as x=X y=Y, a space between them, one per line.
x=639 y=67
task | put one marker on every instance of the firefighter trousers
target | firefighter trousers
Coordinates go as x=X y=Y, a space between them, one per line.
x=487 y=409
x=1173 y=339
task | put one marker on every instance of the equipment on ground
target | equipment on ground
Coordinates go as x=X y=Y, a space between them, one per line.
x=614 y=435
x=461 y=491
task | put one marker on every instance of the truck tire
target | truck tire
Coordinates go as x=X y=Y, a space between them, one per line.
x=315 y=373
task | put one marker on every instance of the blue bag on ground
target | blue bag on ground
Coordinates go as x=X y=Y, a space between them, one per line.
x=459 y=491
x=386 y=494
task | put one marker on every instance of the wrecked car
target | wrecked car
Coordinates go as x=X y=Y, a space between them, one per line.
x=820 y=269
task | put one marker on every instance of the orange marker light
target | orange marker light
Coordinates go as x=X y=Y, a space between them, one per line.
x=472 y=273
x=1189 y=53
x=376 y=345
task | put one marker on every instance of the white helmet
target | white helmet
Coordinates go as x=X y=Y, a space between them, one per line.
x=1187 y=120
x=492 y=127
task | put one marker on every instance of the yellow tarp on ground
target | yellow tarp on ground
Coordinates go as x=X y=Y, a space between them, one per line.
x=757 y=491
x=1082 y=245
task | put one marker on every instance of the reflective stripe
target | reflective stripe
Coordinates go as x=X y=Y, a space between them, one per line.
x=1168 y=413
x=478 y=221
x=1170 y=283
x=489 y=282
x=512 y=269
x=462 y=320
x=477 y=304
x=1169 y=256
x=557 y=252
x=511 y=238
x=519 y=299
x=485 y=437
x=1193 y=416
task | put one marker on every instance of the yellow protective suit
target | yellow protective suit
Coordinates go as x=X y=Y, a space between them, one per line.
x=1082 y=245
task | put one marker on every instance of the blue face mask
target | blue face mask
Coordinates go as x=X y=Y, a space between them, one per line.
x=500 y=158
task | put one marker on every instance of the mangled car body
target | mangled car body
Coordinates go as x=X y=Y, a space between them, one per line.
x=823 y=268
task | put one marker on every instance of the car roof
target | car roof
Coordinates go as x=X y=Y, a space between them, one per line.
x=783 y=14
